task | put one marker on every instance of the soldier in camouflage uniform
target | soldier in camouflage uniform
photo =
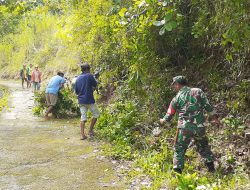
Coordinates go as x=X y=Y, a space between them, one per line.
x=190 y=103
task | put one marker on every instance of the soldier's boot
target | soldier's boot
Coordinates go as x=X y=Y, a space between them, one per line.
x=178 y=170
x=210 y=166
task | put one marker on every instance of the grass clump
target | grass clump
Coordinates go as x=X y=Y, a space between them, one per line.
x=4 y=97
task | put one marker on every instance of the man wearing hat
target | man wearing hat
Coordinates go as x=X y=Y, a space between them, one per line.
x=190 y=104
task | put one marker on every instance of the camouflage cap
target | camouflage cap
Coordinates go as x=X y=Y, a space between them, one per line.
x=179 y=79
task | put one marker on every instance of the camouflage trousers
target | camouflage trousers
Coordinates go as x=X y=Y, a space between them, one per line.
x=183 y=140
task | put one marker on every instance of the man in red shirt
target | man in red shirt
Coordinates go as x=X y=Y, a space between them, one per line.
x=36 y=78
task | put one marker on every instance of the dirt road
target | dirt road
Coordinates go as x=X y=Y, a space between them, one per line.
x=47 y=154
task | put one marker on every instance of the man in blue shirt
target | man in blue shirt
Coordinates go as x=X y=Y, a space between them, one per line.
x=84 y=88
x=55 y=84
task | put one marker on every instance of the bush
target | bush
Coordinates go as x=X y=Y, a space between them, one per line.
x=117 y=126
x=66 y=105
x=3 y=98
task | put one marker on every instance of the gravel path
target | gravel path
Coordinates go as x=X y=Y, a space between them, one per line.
x=47 y=154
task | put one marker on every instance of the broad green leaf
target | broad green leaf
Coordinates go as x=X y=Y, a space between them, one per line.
x=168 y=27
x=168 y=17
x=173 y=24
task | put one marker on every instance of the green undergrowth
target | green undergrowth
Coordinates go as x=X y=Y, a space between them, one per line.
x=4 y=97
x=127 y=125
x=230 y=94
x=153 y=155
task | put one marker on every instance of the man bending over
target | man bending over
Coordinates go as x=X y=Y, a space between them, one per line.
x=55 y=84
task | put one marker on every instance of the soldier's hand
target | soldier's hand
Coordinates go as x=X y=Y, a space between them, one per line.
x=162 y=121
x=216 y=121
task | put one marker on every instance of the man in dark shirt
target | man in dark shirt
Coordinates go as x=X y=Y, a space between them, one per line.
x=84 y=88
x=24 y=75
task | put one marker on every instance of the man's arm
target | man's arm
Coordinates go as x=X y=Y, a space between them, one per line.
x=170 y=113
x=33 y=77
x=40 y=77
x=76 y=88
x=93 y=81
x=21 y=73
x=63 y=81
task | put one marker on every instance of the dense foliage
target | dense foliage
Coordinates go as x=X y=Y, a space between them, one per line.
x=139 y=46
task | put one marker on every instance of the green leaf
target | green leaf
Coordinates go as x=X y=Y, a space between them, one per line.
x=173 y=24
x=122 y=12
x=168 y=27
x=229 y=57
x=225 y=35
x=168 y=17
x=241 y=127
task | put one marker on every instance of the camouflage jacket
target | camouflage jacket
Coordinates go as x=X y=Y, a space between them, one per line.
x=190 y=103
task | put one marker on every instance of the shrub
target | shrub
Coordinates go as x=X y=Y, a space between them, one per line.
x=66 y=105
x=116 y=124
x=3 y=98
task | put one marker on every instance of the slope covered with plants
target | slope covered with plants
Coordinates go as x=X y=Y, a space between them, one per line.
x=138 y=46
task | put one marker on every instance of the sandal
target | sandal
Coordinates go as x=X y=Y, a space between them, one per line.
x=84 y=138
x=91 y=134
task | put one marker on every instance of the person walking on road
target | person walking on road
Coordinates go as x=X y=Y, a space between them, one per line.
x=29 y=72
x=84 y=88
x=51 y=93
x=190 y=103
x=36 y=78
x=24 y=76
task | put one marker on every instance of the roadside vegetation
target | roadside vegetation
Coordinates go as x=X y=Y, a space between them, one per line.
x=138 y=46
x=67 y=105
x=4 y=97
